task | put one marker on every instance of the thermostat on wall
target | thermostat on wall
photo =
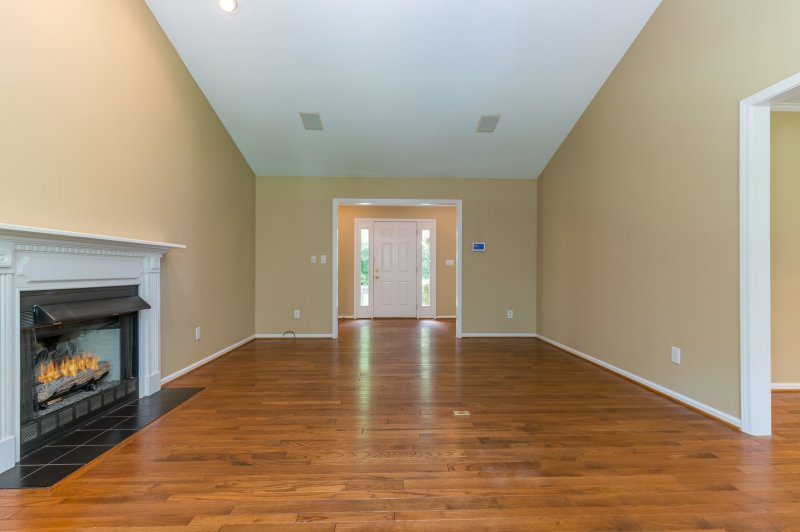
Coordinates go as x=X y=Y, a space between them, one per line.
x=479 y=246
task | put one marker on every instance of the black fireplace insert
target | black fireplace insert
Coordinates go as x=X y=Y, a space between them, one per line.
x=79 y=357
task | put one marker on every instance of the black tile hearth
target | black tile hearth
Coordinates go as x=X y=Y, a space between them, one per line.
x=135 y=422
x=44 y=467
x=17 y=473
x=105 y=422
x=79 y=437
x=46 y=476
x=82 y=455
x=111 y=437
x=125 y=411
x=45 y=455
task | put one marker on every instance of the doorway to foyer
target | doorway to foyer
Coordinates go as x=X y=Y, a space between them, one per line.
x=397 y=259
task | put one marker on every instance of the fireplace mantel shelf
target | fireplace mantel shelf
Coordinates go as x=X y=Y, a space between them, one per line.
x=88 y=238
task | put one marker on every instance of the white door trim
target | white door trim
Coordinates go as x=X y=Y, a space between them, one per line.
x=754 y=257
x=396 y=202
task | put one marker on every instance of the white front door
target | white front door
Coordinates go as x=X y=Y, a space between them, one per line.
x=395 y=269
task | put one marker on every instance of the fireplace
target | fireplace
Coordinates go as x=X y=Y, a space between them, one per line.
x=78 y=357
x=82 y=312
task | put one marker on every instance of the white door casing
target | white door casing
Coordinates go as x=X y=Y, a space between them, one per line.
x=754 y=256
x=394 y=269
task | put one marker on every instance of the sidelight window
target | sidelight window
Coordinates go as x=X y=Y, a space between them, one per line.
x=364 y=300
x=425 y=273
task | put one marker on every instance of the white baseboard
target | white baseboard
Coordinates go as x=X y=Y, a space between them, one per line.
x=290 y=335
x=711 y=411
x=209 y=358
x=498 y=335
x=150 y=384
x=8 y=457
x=787 y=386
x=440 y=317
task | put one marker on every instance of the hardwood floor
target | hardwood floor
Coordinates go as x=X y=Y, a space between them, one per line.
x=359 y=434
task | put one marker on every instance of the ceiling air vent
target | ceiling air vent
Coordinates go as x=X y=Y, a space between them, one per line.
x=487 y=123
x=311 y=121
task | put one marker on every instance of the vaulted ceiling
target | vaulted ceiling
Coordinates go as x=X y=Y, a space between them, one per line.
x=401 y=84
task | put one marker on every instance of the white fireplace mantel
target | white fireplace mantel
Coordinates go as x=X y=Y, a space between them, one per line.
x=36 y=258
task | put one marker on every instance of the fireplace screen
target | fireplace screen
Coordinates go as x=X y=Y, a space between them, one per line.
x=65 y=364
x=78 y=357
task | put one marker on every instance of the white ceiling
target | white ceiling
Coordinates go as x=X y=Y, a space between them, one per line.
x=401 y=84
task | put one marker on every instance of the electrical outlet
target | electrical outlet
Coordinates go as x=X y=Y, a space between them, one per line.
x=313 y=259
x=676 y=355
x=296 y=314
x=197 y=333
x=510 y=314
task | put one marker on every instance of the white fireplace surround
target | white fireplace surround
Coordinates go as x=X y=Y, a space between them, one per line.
x=34 y=258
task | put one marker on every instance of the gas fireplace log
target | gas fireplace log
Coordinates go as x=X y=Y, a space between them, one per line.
x=65 y=384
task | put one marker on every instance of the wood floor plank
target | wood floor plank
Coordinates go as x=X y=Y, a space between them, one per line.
x=358 y=433
x=517 y=525
x=299 y=527
x=320 y=517
x=244 y=519
x=366 y=504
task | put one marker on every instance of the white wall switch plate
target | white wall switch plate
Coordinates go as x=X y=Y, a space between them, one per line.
x=450 y=262
x=510 y=314
x=197 y=333
x=313 y=259
x=296 y=314
x=323 y=259
x=676 y=355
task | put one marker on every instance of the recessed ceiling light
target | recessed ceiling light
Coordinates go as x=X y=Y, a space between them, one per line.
x=311 y=121
x=229 y=6
x=487 y=123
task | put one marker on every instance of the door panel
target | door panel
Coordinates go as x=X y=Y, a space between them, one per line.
x=385 y=293
x=402 y=293
x=395 y=269
x=385 y=260
x=402 y=257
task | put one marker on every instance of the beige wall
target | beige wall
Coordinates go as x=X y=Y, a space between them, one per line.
x=446 y=221
x=785 y=214
x=293 y=222
x=639 y=207
x=103 y=130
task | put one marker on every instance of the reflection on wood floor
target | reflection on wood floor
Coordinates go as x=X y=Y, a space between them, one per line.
x=359 y=434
